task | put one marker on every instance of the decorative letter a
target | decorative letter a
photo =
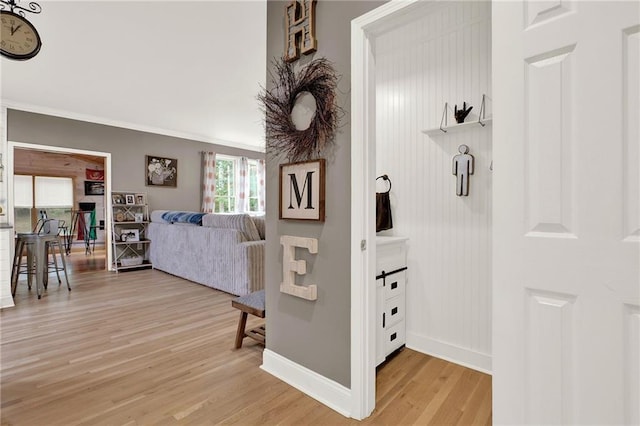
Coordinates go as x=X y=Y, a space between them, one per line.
x=301 y=30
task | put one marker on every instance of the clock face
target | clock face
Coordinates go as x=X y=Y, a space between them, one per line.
x=18 y=38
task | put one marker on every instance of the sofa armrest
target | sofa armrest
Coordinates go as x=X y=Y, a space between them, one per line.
x=250 y=266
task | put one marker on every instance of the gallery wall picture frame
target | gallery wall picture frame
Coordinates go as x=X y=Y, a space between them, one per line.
x=161 y=171
x=129 y=235
x=141 y=199
x=302 y=190
x=93 y=187
x=117 y=199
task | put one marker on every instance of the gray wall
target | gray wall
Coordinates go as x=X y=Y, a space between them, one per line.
x=316 y=334
x=128 y=149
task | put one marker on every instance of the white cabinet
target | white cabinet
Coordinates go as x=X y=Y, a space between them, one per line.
x=130 y=218
x=6 y=238
x=391 y=280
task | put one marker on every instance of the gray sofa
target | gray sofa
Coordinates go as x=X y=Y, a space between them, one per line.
x=221 y=251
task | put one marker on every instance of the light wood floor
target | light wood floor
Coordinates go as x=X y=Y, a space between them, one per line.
x=147 y=348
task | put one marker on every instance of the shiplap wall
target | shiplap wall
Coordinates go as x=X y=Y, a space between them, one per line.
x=444 y=56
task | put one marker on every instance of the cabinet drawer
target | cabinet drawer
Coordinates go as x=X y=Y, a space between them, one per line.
x=394 y=311
x=394 y=285
x=394 y=338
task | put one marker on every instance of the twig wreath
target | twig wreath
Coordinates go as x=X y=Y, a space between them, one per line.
x=320 y=80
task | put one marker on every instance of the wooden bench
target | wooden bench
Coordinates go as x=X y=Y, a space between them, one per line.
x=253 y=304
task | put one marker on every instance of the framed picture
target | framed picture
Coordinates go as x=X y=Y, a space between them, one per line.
x=141 y=199
x=93 y=188
x=302 y=187
x=129 y=199
x=117 y=199
x=161 y=171
x=128 y=235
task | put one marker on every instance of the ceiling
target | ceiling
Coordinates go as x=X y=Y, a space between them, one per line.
x=185 y=69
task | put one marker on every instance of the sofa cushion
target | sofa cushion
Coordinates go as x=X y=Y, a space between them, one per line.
x=241 y=222
x=260 y=225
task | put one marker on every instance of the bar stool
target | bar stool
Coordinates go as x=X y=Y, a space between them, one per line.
x=37 y=248
x=53 y=227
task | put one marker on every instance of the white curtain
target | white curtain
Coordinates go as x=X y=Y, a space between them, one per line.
x=261 y=186
x=208 y=181
x=242 y=198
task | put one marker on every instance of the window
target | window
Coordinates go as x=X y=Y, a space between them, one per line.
x=225 y=198
x=33 y=194
x=226 y=184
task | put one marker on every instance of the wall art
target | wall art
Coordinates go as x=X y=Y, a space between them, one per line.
x=302 y=190
x=161 y=171
x=93 y=188
x=318 y=79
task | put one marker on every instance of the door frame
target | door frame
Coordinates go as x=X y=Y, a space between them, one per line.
x=364 y=31
x=12 y=145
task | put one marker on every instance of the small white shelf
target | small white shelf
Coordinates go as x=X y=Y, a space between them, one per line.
x=444 y=130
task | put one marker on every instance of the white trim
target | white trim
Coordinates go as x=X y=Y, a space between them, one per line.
x=363 y=31
x=125 y=125
x=466 y=357
x=107 y=183
x=326 y=391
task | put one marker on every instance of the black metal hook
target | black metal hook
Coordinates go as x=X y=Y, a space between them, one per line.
x=386 y=178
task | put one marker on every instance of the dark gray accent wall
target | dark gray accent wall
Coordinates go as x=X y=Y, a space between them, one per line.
x=128 y=149
x=316 y=334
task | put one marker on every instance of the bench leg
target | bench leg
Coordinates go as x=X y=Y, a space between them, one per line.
x=241 y=325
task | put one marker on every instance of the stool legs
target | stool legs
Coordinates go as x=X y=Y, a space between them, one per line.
x=241 y=326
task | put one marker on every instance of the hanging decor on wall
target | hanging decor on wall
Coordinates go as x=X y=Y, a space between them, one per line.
x=301 y=32
x=161 y=171
x=302 y=190
x=317 y=79
x=462 y=169
x=20 y=39
x=94 y=174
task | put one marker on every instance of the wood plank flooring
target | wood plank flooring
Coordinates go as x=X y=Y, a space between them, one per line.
x=146 y=348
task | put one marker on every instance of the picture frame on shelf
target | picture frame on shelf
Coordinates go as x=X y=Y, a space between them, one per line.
x=117 y=199
x=129 y=199
x=93 y=187
x=138 y=217
x=161 y=171
x=141 y=199
x=302 y=190
x=128 y=235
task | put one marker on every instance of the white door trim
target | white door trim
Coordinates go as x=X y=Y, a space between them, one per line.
x=363 y=32
x=107 y=182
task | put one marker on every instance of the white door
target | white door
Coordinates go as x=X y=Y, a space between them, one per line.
x=566 y=324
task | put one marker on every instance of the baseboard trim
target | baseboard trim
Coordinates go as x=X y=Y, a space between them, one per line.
x=326 y=391
x=6 y=301
x=458 y=355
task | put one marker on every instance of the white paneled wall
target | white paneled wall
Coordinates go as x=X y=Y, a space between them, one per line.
x=444 y=56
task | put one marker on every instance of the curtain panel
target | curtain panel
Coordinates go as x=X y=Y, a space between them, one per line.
x=208 y=181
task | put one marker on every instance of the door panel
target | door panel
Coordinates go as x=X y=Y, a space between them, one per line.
x=566 y=229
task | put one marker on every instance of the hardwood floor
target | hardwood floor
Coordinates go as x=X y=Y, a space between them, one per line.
x=144 y=347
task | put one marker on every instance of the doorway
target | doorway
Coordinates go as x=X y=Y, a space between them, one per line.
x=27 y=159
x=413 y=66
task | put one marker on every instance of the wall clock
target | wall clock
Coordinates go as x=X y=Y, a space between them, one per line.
x=19 y=39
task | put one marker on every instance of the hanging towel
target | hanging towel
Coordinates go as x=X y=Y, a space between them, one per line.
x=383 y=208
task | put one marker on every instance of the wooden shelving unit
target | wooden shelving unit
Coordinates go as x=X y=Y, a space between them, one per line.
x=130 y=219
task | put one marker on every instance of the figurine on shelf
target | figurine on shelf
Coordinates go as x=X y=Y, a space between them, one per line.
x=461 y=114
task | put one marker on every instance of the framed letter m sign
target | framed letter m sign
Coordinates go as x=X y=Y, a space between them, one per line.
x=302 y=190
